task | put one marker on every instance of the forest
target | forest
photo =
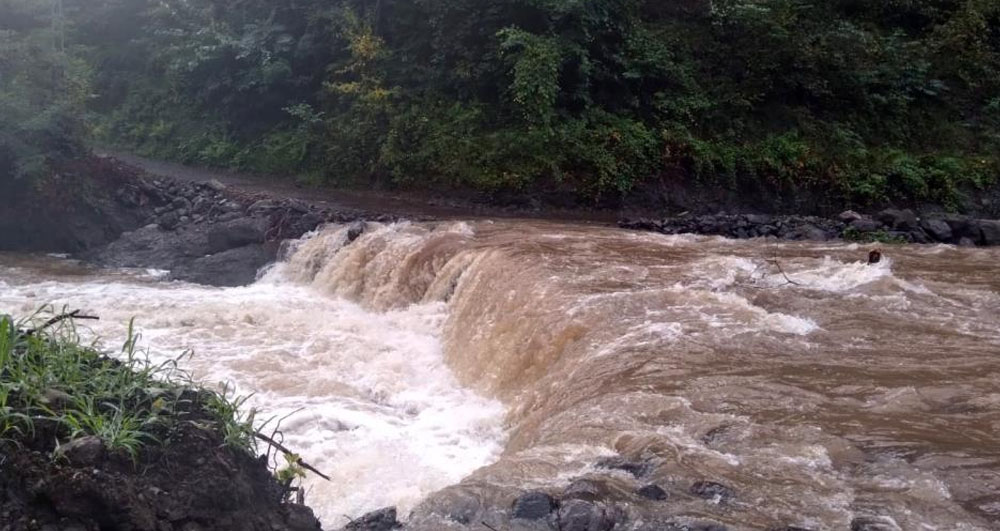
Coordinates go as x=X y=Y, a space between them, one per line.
x=868 y=101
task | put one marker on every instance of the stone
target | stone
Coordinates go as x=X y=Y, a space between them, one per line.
x=235 y=233
x=230 y=268
x=300 y=518
x=86 y=451
x=533 y=505
x=966 y=242
x=585 y=489
x=636 y=468
x=712 y=491
x=356 y=230
x=580 y=515
x=181 y=203
x=169 y=221
x=652 y=492
x=380 y=520
x=264 y=206
x=937 y=229
x=214 y=185
x=900 y=220
x=848 y=216
x=990 y=230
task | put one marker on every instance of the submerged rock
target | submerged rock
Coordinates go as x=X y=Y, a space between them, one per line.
x=636 y=468
x=580 y=515
x=380 y=520
x=652 y=492
x=533 y=505
x=710 y=490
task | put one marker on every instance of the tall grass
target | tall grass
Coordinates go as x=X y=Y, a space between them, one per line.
x=51 y=378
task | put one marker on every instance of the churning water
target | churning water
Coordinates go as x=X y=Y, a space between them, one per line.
x=452 y=365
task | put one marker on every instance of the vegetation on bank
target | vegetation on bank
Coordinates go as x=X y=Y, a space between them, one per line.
x=55 y=389
x=870 y=102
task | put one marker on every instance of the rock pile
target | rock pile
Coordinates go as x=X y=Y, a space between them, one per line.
x=890 y=225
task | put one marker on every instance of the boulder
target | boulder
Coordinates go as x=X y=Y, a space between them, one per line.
x=533 y=505
x=937 y=229
x=236 y=233
x=636 y=468
x=356 y=230
x=169 y=221
x=580 y=515
x=586 y=489
x=380 y=520
x=214 y=185
x=710 y=490
x=234 y=267
x=86 y=451
x=652 y=492
x=848 y=216
x=990 y=232
x=873 y=523
x=900 y=220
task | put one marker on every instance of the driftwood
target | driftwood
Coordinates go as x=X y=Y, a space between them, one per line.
x=286 y=451
x=75 y=314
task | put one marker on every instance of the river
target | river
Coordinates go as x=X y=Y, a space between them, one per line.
x=434 y=366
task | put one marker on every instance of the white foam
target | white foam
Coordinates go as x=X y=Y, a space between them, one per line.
x=380 y=411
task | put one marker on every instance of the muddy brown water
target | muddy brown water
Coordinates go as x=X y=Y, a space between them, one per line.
x=518 y=355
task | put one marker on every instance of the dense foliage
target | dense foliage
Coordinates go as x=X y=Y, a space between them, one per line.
x=871 y=101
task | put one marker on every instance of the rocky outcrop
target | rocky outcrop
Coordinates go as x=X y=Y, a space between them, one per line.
x=206 y=232
x=891 y=225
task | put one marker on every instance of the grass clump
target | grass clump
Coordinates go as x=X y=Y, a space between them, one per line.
x=54 y=388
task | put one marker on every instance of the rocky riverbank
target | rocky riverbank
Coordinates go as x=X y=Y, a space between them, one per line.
x=888 y=226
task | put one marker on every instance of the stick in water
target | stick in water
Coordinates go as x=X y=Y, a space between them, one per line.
x=286 y=451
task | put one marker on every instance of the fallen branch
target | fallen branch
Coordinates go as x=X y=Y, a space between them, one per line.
x=75 y=314
x=287 y=452
x=782 y=271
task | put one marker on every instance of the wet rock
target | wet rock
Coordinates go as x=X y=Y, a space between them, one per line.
x=678 y=526
x=809 y=231
x=873 y=523
x=356 y=230
x=83 y=452
x=169 y=221
x=585 y=489
x=789 y=528
x=300 y=518
x=235 y=233
x=937 y=229
x=900 y=220
x=652 y=492
x=848 y=216
x=865 y=225
x=636 y=468
x=533 y=505
x=710 y=490
x=580 y=515
x=966 y=242
x=214 y=185
x=990 y=231
x=181 y=203
x=234 y=267
x=380 y=520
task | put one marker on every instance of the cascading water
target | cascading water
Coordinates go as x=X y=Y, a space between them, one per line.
x=818 y=390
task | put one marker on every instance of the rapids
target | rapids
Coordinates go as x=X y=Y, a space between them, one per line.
x=445 y=368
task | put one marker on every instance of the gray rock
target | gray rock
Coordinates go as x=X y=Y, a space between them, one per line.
x=966 y=242
x=533 y=505
x=215 y=185
x=990 y=231
x=264 y=206
x=234 y=267
x=585 y=489
x=300 y=518
x=181 y=203
x=900 y=220
x=356 y=230
x=380 y=520
x=86 y=451
x=636 y=468
x=652 y=492
x=848 y=216
x=580 y=515
x=201 y=205
x=873 y=523
x=235 y=233
x=710 y=490
x=169 y=221
x=937 y=229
